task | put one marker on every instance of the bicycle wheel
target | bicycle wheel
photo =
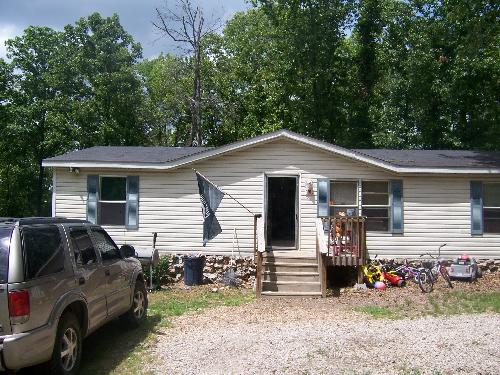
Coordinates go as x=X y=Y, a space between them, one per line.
x=446 y=276
x=425 y=281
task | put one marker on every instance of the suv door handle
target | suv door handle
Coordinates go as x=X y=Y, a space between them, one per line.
x=81 y=281
x=106 y=272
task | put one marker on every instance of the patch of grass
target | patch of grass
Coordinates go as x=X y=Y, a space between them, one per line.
x=115 y=349
x=459 y=302
x=416 y=372
x=437 y=304
x=379 y=312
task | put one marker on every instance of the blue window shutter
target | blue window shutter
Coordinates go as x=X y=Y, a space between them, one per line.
x=323 y=197
x=397 y=206
x=92 y=197
x=132 y=209
x=476 y=207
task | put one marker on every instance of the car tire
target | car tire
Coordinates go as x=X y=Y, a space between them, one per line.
x=138 y=311
x=67 y=353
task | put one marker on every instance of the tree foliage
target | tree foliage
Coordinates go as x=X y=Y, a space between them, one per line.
x=64 y=90
x=358 y=73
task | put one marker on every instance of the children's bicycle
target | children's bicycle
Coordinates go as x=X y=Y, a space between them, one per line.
x=408 y=272
x=431 y=271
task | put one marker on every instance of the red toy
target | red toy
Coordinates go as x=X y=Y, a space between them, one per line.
x=394 y=279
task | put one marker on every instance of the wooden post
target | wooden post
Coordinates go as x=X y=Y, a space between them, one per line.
x=258 y=259
x=323 y=274
x=362 y=250
x=321 y=267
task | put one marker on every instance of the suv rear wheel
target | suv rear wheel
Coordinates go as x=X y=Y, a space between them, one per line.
x=67 y=352
x=138 y=311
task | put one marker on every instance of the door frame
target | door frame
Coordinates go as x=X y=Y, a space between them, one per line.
x=297 y=177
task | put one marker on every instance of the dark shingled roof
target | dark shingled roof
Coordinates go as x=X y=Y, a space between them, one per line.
x=129 y=154
x=451 y=159
x=436 y=158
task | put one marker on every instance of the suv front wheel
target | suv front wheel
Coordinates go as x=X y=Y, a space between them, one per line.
x=138 y=311
x=67 y=352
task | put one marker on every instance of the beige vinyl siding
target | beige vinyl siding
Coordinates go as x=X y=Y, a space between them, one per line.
x=437 y=209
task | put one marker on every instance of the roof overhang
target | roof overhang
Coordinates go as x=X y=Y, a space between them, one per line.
x=281 y=134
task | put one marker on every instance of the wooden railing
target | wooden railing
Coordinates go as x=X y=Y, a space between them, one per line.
x=346 y=240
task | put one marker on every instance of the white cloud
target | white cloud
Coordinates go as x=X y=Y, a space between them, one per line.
x=7 y=31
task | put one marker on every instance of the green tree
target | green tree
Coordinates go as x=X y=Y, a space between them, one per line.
x=37 y=128
x=63 y=91
x=366 y=33
x=166 y=111
x=440 y=83
x=107 y=94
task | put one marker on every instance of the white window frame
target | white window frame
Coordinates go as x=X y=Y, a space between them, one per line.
x=99 y=210
x=387 y=206
x=356 y=205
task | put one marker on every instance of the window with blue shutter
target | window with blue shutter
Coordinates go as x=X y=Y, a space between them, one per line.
x=323 y=197
x=113 y=200
x=397 y=206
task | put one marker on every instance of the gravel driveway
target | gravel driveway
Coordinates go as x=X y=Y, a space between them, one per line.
x=323 y=337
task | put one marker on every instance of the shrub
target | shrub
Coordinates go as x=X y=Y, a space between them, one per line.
x=160 y=272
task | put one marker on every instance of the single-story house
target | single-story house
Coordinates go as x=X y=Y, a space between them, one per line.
x=414 y=200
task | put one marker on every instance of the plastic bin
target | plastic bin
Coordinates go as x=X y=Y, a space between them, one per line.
x=193 y=269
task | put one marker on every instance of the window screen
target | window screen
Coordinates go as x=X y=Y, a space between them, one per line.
x=105 y=245
x=43 y=250
x=375 y=204
x=344 y=198
x=112 y=202
x=83 y=249
x=491 y=207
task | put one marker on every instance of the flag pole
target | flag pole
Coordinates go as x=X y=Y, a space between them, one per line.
x=229 y=195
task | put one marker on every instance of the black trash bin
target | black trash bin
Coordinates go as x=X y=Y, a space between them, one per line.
x=193 y=270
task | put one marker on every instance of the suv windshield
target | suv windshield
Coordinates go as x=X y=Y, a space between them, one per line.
x=5 y=233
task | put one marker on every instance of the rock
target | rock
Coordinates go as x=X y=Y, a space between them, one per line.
x=215 y=290
x=211 y=276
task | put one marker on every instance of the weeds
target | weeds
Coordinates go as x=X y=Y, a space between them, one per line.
x=379 y=312
x=447 y=303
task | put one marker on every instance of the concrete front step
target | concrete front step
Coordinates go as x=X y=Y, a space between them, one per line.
x=290 y=276
x=268 y=294
x=290 y=267
x=291 y=286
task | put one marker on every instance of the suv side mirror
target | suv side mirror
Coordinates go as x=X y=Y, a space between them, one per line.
x=127 y=251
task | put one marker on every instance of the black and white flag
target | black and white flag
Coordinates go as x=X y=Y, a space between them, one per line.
x=210 y=196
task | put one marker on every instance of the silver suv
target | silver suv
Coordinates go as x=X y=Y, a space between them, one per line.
x=61 y=279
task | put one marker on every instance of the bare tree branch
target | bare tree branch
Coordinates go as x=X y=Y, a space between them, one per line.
x=185 y=24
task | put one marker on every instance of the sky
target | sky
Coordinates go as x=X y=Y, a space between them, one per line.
x=135 y=16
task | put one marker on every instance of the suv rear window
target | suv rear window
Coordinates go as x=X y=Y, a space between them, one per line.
x=43 y=249
x=5 y=234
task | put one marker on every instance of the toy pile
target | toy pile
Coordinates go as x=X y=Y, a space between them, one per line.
x=380 y=276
